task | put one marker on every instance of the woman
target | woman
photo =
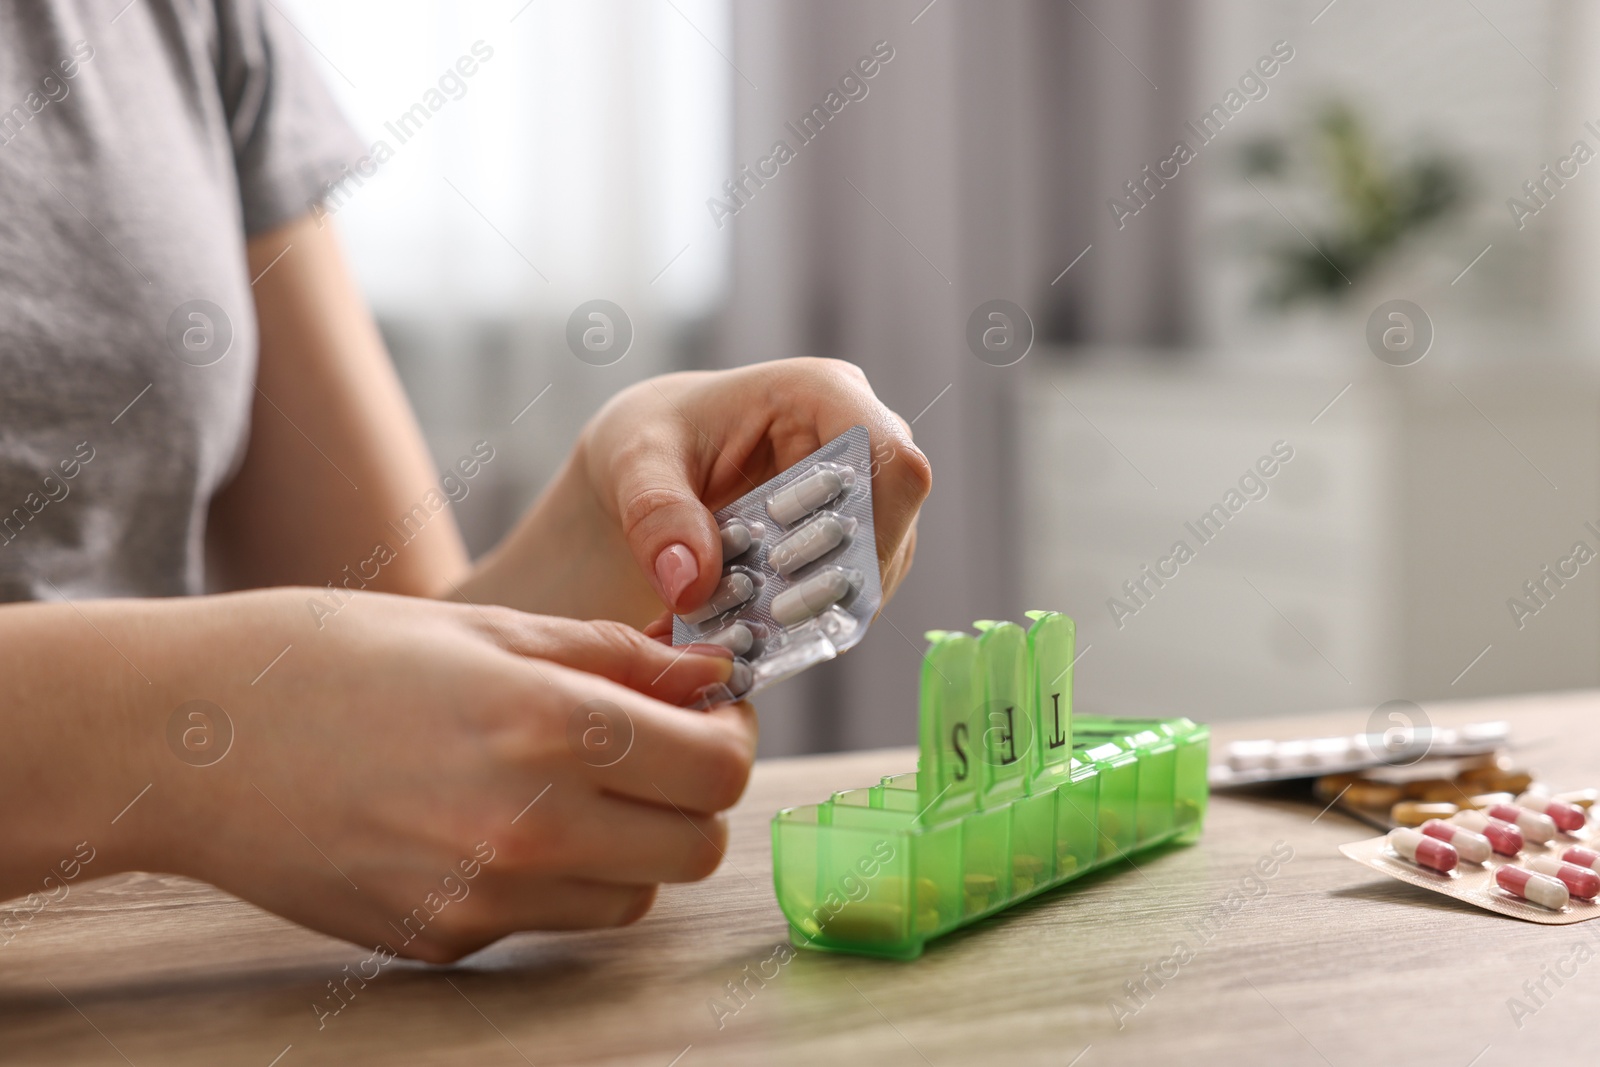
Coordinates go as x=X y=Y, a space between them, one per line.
x=193 y=398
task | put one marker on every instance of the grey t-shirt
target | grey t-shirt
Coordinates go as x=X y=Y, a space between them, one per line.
x=137 y=151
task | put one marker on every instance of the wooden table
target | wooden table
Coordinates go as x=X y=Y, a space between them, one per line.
x=1330 y=963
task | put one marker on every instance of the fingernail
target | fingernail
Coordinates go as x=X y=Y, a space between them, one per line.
x=701 y=648
x=676 y=570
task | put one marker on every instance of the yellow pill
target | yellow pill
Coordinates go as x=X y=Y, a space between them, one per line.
x=1417 y=812
x=1364 y=794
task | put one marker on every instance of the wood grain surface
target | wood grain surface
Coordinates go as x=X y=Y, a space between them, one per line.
x=1325 y=962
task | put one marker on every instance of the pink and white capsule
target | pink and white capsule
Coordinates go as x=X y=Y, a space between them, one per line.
x=1470 y=846
x=1583 y=857
x=1538 y=889
x=1422 y=850
x=1580 y=881
x=1535 y=826
x=1504 y=837
x=1568 y=817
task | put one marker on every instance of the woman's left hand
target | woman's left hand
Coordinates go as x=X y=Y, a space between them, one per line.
x=655 y=462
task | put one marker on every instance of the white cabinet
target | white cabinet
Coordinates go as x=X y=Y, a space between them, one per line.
x=1375 y=565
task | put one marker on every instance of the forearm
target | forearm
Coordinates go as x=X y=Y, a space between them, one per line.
x=82 y=722
x=566 y=557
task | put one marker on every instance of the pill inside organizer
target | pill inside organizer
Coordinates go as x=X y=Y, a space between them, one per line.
x=735 y=588
x=811 y=597
x=804 y=495
x=809 y=543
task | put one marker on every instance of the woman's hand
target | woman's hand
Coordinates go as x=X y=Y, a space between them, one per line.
x=422 y=775
x=629 y=517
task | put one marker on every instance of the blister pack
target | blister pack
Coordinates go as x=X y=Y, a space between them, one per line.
x=1532 y=857
x=1254 y=762
x=799 y=569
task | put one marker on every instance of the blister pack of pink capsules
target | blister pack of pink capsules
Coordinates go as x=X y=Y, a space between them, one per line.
x=1533 y=857
x=799 y=569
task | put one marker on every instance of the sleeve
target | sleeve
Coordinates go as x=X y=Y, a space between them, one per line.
x=290 y=140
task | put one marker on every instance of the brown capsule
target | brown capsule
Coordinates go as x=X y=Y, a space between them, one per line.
x=1417 y=812
x=1496 y=775
x=1488 y=760
x=1508 y=782
x=1479 y=801
x=1331 y=785
x=1433 y=790
x=1365 y=794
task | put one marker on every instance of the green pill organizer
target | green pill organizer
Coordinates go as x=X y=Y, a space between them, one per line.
x=1012 y=796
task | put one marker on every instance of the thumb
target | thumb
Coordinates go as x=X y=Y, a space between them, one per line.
x=670 y=532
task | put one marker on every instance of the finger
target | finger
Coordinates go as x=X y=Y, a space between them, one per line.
x=898 y=567
x=613 y=650
x=504 y=902
x=577 y=904
x=608 y=839
x=697 y=762
x=901 y=482
x=834 y=396
x=660 y=629
x=672 y=534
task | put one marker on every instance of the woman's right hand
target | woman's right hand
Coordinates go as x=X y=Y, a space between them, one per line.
x=423 y=775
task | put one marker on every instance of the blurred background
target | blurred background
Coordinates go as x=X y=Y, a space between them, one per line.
x=1185 y=316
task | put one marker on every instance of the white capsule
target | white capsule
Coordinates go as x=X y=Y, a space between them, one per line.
x=734 y=589
x=1251 y=755
x=810 y=598
x=1329 y=751
x=811 y=542
x=1291 y=754
x=740 y=678
x=804 y=495
x=735 y=540
x=737 y=639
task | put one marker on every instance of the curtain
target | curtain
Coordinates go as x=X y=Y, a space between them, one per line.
x=976 y=166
